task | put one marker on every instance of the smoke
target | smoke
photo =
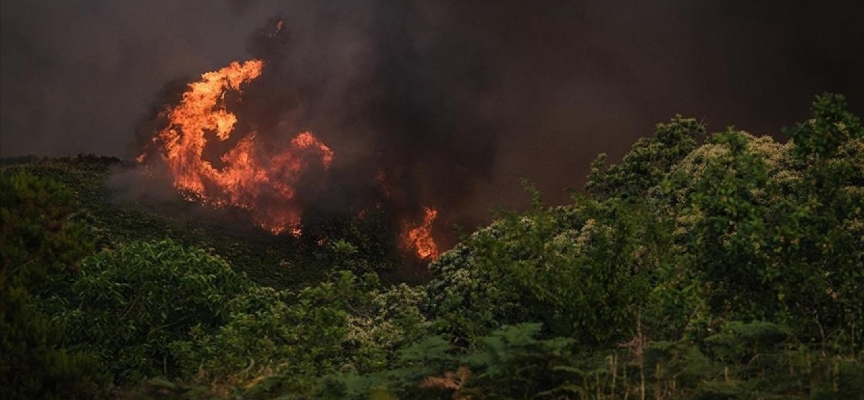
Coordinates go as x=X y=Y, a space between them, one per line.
x=241 y=6
x=453 y=101
x=404 y=137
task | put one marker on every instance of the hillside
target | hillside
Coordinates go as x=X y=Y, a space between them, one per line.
x=710 y=266
x=118 y=213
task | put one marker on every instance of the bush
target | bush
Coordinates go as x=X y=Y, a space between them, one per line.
x=134 y=302
x=342 y=324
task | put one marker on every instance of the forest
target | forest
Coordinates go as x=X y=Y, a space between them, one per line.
x=700 y=266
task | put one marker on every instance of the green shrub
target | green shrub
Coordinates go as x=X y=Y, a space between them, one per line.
x=135 y=301
x=342 y=324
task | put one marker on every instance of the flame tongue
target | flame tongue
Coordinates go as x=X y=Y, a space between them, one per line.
x=200 y=111
x=251 y=177
x=420 y=238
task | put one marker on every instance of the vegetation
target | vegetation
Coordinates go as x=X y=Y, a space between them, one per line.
x=39 y=254
x=721 y=266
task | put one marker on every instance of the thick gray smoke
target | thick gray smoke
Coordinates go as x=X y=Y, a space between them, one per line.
x=456 y=99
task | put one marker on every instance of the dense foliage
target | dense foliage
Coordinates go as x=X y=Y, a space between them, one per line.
x=133 y=303
x=721 y=266
x=39 y=251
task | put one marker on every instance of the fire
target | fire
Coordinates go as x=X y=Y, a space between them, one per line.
x=251 y=175
x=212 y=161
x=420 y=239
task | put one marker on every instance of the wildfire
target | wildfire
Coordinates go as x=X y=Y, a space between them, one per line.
x=420 y=238
x=212 y=161
x=251 y=176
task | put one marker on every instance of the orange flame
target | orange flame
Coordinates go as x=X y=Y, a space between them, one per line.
x=250 y=176
x=420 y=240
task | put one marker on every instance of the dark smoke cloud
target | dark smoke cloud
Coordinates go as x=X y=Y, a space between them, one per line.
x=456 y=99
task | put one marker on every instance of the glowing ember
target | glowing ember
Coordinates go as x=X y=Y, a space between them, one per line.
x=251 y=176
x=420 y=239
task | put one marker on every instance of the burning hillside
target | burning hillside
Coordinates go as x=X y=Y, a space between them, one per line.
x=275 y=136
x=248 y=173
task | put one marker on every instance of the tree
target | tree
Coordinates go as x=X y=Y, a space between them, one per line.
x=647 y=163
x=774 y=232
x=577 y=269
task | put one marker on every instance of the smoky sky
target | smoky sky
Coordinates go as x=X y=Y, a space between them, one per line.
x=468 y=94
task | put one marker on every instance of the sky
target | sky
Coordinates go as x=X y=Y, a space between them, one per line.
x=489 y=92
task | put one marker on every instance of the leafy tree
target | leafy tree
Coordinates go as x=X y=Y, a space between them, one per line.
x=769 y=234
x=648 y=161
x=828 y=220
x=576 y=269
x=831 y=127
